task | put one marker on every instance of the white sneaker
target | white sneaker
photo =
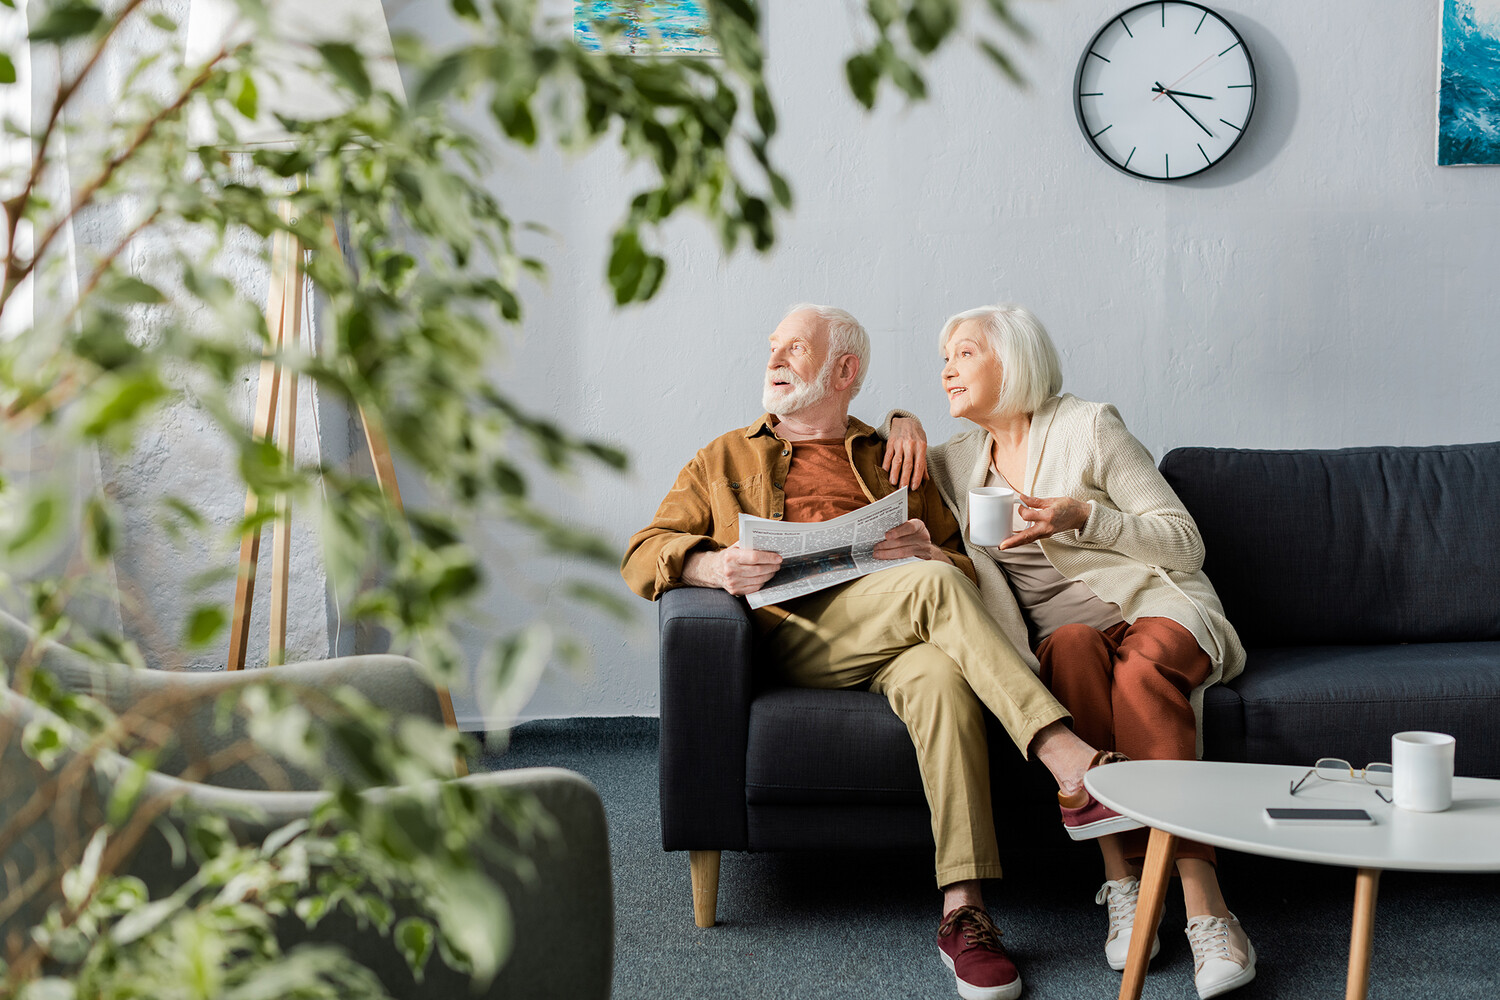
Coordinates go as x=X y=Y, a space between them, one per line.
x=1121 y=896
x=1223 y=957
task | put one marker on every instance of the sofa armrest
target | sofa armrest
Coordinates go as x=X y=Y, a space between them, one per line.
x=707 y=642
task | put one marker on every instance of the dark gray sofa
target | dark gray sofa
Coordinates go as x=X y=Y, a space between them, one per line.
x=1365 y=584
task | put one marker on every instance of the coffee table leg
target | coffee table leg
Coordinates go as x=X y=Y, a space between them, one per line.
x=1161 y=852
x=1360 y=938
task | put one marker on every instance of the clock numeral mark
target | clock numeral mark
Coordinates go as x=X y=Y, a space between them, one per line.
x=1205 y=155
x=1126 y=26
x=1238 y=86
x=1168 y=158
x=1096 y=55
x=1127 y=159
x=1099 y=94
x=1230 y=47
x=1232 y=125
x=1163 y=13
x=1200 y=21
x=1102 y=130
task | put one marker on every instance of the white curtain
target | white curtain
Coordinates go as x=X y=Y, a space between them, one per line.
x=38 y=458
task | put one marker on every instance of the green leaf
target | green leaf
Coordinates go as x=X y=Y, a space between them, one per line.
x=204 y=624
x=41 y=516
x=127 y=792
x=67 y=20
x=415 y=939
x=611 y=456
x=244 y=95
x=163 y=22
x=1003 y=61
x=348 y=65
x=929 y=22
x=438 y=83
x=99 y=531
x=466 y=9
x=7 y=69
x=863 y=73
x=125 y=288
x=119 y=400
x=607 y=601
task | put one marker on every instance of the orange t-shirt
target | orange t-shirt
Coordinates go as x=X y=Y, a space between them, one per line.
x=820 y=482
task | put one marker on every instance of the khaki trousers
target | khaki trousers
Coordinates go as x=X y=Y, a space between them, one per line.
x=919 y=634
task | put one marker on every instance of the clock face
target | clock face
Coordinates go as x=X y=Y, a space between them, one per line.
x=1164 y=90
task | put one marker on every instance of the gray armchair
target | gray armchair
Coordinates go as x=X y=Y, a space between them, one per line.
x=563 y=908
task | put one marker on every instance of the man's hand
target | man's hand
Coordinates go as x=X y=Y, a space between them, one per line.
x=910 y=538
x=739 y=571
x=1048 y=517
x=906 y=453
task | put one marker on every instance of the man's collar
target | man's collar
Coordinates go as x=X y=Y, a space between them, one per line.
x=766 y=425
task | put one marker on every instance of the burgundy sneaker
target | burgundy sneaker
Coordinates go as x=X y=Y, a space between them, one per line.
x=970 y=945
x=1084 y=817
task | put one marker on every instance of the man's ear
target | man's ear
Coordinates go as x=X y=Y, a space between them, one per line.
x=845 y=372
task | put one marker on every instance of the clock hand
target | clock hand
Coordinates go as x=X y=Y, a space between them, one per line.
x=1180 y=93
x=1185 y=110
x=1186 y=75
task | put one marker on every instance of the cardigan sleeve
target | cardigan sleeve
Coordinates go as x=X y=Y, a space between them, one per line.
x=1143 y=518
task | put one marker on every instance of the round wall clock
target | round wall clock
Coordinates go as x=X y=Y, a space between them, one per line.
x=1164 y=90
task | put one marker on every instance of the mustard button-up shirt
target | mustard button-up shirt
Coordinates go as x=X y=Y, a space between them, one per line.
x=744 y=471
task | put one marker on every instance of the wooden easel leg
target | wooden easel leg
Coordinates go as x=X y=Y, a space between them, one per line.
x=265 y=421
x=286 y=441
x=704 y=867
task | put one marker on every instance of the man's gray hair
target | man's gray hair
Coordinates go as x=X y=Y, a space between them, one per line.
x=845 y=336
x=1030 y=372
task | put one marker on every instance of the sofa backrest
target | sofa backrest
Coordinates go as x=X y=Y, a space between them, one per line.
x=1360 y=545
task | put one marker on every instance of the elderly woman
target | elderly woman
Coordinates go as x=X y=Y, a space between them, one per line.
x=1101 y=578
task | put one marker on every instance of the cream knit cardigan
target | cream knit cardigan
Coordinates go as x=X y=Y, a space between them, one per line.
x=1139 y=548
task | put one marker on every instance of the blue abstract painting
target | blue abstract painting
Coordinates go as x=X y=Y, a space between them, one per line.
x=646 y=27
x=1469 y=83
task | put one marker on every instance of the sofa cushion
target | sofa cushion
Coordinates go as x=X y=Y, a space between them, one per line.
x=812 y=746
x=1345 y=701
x=1362 y=545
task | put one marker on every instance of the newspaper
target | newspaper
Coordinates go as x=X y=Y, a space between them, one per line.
x=821 y=554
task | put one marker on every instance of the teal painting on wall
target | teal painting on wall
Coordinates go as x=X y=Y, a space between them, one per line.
x=1469 y=83
x=647 y=27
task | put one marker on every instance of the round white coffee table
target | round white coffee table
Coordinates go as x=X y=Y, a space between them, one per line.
x=1224 y=805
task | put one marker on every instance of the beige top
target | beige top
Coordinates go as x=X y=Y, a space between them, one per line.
x=1048 y=599
x=1139 y=548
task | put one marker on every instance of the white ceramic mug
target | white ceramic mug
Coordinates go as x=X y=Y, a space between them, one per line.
x=1422 y=771
x=991 y=509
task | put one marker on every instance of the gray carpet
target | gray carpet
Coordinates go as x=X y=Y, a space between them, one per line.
x=863 y=925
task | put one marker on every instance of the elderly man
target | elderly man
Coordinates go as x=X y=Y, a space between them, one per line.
x=916 y=632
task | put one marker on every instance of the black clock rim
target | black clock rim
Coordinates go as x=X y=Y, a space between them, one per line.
x=1078 y=82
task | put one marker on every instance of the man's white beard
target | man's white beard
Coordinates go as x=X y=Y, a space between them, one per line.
x=780 y=403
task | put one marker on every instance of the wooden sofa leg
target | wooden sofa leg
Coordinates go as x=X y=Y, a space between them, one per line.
x=705 y=868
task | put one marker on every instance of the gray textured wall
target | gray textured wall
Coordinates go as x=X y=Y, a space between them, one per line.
x=1326 y=286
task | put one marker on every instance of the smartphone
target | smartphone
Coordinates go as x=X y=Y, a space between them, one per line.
x=1340 y=817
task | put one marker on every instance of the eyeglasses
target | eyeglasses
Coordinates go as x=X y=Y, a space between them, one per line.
x=1337 y=769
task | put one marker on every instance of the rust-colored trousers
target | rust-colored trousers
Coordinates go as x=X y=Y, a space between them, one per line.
x=1127 y=688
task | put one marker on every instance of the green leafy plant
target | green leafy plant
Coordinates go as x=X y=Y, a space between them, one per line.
x=417 y=297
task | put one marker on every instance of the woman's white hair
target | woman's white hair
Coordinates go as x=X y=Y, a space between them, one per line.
x=1030 y=372
x=845 y=336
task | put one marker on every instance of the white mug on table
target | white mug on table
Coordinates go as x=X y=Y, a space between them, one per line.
x=991 y=509
x=1422 y=771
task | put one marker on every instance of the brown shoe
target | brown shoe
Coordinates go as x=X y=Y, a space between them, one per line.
x=1084 y=817
x=970 y=945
